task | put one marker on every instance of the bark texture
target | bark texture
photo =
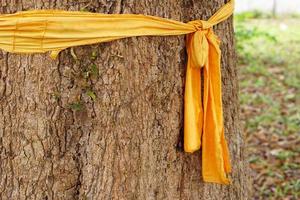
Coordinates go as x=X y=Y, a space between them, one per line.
x=56 y=142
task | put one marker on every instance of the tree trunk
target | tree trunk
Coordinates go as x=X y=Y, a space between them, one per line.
x=60 y=142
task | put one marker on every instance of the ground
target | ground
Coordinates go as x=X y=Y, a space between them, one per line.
x=269 y=71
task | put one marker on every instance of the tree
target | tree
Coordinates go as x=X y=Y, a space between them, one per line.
x=274 y=8
x=103 y=121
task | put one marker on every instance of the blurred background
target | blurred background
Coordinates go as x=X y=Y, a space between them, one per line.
x=268 y=48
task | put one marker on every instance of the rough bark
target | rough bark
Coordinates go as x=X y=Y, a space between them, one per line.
x=124 y=144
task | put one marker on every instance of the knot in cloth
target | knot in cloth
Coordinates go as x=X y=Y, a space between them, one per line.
x=201 y=24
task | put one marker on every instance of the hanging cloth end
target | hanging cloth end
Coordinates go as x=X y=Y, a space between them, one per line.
x=224 y=181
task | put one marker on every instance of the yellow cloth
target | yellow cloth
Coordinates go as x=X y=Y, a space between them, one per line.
x=54 y=30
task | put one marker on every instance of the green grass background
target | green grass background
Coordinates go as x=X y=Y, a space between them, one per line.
x=268 y=51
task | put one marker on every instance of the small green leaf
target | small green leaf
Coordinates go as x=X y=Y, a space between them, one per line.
x=77 y=106
x=91 y=94
x=94 y=70
x=94 y=55
x=56 y=95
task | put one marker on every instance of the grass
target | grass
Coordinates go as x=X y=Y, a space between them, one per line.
x=269 y=72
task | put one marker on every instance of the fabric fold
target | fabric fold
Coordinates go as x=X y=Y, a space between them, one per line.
x=41 y=31
x=204 y=127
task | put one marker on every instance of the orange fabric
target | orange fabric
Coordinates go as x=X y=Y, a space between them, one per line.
x=54 y=30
